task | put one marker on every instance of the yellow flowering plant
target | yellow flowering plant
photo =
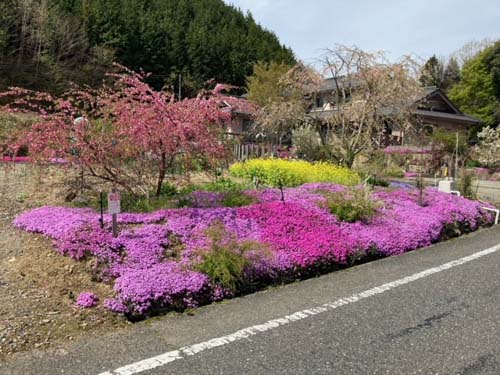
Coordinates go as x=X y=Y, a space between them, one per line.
x=282 y=172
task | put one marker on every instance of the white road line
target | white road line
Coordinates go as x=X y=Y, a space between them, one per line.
x=163 y=359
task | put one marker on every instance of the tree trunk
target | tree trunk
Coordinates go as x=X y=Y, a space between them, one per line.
x=322 y=137
x=349 y=160
x=282 y=193
x=161 y=175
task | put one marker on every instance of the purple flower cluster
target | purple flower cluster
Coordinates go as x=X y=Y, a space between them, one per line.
x=153 y=260
x=205 y=199
x=87 y=300
x=55 y=222
x=403 y=225
x=164 y=285
x=401 y=185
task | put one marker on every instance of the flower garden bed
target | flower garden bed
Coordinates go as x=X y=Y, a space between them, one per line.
x=174 y=259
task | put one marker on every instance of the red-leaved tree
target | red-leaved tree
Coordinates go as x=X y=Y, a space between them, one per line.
x=125 y=133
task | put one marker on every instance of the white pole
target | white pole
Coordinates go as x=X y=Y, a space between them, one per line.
x=456 y=159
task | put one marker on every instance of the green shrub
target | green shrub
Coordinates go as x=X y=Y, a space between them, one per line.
x=308 y=145
x=232 y=192
x=226 y=259
x=229 y=199
x=131 y=203
x=183 y=201
x=223 y=185
x=395 y=172
x=237 y=199
x=374 y=181
x=21 y=197
x=352 y=206
x=371 y=163
x=474 y=164
x=169 y=189
x=465 y=185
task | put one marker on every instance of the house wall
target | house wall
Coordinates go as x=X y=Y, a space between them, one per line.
x=449 y=125
x=240 y=128
x=235 y=126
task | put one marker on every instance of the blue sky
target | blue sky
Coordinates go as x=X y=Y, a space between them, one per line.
x=421 y=27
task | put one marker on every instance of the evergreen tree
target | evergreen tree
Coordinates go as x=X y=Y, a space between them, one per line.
x=476 y=94
x=432 y=73
x=451 y=75
x=492 y=61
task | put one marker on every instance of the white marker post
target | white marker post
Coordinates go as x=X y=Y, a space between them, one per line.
x=114 y=209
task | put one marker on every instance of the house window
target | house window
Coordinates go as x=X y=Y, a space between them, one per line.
x=319 y=102
x=428 y=129
x=347 y=95
x=247 y=125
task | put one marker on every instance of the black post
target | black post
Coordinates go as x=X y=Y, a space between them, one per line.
x=115 y=226
x=101 y=220
x=282 y=193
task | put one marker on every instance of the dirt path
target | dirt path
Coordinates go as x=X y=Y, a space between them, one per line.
x=38 y=287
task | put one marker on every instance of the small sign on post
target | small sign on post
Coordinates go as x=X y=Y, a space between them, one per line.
x=114 y=209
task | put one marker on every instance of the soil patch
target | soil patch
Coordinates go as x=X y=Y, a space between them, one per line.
x=38 y=287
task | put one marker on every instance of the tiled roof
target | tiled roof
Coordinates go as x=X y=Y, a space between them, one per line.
x=240 y=105
x=420 y=112
x=444 y=115
x=330 y=85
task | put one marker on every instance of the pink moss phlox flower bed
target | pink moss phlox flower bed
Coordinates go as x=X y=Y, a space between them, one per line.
x=152 y=263
x=403 y=225
x=300 y=236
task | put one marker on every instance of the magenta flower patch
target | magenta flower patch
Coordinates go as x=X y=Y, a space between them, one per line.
x=87 y=300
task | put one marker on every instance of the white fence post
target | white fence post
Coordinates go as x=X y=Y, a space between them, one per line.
x=495 y=210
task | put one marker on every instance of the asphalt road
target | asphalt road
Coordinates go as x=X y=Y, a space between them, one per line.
x=425 y=319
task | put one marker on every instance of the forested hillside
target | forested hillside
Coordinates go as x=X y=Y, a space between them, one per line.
x=474 y=83
x=44 y=44
x=478 y=91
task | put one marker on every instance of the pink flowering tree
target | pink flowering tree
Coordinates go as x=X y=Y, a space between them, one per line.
x=125 y=133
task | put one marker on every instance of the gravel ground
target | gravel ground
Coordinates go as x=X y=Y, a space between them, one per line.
x=38 y=287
